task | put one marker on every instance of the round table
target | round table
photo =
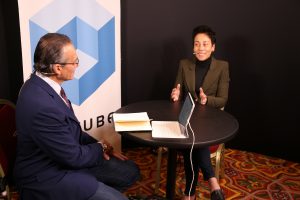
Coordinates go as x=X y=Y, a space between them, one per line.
x=210 y=126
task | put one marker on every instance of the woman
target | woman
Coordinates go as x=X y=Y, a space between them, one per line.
x=207 y=79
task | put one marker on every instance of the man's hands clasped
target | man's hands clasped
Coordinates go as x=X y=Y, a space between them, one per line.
x=108 y=151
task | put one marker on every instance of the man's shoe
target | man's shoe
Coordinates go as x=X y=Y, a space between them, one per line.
x=217 y=195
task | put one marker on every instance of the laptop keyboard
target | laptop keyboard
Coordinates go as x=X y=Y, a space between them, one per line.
x=166 y=129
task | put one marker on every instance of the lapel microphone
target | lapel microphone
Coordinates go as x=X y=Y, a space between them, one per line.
x=46 y=73
x=43 y=67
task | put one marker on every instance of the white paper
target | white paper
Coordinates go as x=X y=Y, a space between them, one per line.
x=132 y=122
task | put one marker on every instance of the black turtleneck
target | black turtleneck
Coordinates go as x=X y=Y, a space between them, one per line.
x=200 y=72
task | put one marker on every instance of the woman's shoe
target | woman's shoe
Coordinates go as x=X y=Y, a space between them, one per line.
x=217 y=195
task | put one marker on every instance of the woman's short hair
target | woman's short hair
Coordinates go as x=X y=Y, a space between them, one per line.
x=206 y=30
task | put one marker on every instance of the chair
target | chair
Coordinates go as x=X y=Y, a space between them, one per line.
x=8 y=142
x=216 y=155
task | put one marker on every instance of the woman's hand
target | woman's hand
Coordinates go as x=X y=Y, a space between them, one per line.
x=203 y=97
x=175 y=93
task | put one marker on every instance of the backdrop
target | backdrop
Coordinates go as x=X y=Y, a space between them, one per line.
x=94 y=28
x=259 y=39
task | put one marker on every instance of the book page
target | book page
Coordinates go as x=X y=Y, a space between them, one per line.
x=128 y=117
x=133 y=126
x=132 y=122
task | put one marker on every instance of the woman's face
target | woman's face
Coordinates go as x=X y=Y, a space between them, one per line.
x=203 y=46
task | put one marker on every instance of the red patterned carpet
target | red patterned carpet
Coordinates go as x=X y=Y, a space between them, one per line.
x=248 y=176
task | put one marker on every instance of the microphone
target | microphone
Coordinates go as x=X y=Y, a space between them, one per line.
x=46 y=73
x=43 y=67
x=194 y=53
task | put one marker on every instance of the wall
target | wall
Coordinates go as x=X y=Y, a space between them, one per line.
x=260 y=39
x=4 y=89
x=11 y=75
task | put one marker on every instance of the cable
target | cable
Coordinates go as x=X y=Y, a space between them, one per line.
x=191 y=161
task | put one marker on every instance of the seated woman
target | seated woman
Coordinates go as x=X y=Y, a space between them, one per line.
x=207 y=79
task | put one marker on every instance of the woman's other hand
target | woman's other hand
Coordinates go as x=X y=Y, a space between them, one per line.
x=175 y=93
x=203 y=97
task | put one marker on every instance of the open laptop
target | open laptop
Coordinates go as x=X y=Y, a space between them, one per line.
x=175 y=129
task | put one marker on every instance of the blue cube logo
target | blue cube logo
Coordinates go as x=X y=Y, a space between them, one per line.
x=92 y=31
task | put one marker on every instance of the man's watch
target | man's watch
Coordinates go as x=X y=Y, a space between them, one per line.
x=106 y=148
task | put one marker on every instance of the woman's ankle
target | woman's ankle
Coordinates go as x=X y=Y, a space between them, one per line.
x=213 y=183
x=192 y=197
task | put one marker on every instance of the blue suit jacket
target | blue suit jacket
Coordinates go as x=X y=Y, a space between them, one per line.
x=53 y=153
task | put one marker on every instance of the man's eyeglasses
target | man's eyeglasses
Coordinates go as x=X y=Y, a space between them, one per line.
x=70 y=63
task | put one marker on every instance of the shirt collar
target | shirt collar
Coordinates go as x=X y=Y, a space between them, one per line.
x=56 y=87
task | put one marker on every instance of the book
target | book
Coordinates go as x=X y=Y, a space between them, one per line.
x=132 y=121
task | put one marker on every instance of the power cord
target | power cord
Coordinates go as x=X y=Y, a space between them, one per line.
x=191 y=160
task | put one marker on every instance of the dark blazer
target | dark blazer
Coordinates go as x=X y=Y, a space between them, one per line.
x=215 y=84
x=53 y=152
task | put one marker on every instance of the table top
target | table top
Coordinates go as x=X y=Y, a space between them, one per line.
x=210 y=126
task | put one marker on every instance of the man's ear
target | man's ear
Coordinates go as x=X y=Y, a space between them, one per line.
x=57 y=69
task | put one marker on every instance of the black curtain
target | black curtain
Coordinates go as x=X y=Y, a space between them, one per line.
x=11 y=70
x=260 y=39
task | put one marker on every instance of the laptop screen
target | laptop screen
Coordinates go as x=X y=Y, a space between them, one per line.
x=186 y=110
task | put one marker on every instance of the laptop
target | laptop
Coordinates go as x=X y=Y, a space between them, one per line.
x=175 y=129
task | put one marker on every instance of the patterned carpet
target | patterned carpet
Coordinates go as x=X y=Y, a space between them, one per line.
x=248 y=176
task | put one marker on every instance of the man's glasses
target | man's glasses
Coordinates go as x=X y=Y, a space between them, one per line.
x=70 y=63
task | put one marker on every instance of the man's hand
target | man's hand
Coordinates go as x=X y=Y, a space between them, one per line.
x=108 y=151
x=116 y=154
x=175 y=93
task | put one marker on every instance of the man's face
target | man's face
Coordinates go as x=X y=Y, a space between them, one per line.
x=70 y=63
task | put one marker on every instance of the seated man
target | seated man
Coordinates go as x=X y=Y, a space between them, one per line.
x=55 y=158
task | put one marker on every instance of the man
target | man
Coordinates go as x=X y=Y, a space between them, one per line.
x=55 y=158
